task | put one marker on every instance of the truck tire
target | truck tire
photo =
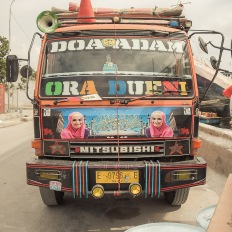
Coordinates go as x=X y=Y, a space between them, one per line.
x=177 y=197
x=51 y=197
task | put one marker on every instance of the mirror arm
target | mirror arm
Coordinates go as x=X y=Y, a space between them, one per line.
x=221 y=48
x=228 y=49
x=28 y=65
x=218 y=64
x=197 y=32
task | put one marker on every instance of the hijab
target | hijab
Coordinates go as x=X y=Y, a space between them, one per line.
x=72 y=133
x=164 y=130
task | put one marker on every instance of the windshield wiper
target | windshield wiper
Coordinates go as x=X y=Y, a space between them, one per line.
x=61 y=100
x=157 y=94
x=119 y=32
x=56 y=75
x=91 y=97
x=122 y=101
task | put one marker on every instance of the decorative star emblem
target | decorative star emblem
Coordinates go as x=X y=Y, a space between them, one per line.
x=56 y=147
x=176 y=148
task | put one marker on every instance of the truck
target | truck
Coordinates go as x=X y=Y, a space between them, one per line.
x=115 y=105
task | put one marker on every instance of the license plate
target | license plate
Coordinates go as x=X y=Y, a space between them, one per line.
x=125 y=176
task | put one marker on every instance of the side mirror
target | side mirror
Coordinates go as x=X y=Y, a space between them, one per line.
x=12 y=68
x=202 y=45
x=213 y=62
x=24 y=70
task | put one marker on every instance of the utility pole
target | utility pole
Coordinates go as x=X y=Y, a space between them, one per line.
x=9 y=48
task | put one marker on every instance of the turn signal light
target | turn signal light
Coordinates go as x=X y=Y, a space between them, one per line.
x=116 y=19
x=195 y=145
x=188 y=23
x=37 y=144
x=97 y=191
x=135 y=189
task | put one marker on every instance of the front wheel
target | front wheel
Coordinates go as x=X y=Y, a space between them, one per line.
x=51 y=197
x=177 y=197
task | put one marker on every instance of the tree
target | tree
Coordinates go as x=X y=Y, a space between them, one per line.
x=4 y=46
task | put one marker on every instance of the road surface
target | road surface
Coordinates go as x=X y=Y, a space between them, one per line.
x=22 y=209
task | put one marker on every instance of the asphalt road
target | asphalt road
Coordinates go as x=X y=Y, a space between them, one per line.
x=22 y=210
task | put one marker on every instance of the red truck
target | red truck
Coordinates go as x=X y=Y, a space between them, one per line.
x=115 y=105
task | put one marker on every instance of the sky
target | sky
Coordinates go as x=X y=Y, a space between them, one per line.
x=205 y=15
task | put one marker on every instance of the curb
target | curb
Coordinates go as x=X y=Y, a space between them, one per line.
x=15 y=121
x=216 y=148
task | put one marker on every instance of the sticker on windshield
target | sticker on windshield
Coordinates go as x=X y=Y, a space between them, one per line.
x=109 y=66
x=119 y=43
x=109 y=87
x=47 y=112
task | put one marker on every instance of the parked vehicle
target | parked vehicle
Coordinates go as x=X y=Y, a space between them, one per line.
x=116 y=105
x=214 y=102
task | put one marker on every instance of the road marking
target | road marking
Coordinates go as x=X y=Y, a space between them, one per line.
x=10 y=154
x=15 y=227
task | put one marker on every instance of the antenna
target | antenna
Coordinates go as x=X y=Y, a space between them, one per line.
x=181 y=3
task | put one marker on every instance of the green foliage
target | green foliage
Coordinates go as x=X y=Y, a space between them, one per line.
x=22 y=85
x=4 y=44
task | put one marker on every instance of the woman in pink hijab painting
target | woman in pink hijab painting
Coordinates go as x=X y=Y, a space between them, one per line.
x=75 y=128
x=158 y=126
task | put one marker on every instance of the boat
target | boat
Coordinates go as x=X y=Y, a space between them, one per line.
x=214 y=102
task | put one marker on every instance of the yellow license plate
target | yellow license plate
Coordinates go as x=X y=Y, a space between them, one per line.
x=109 y=177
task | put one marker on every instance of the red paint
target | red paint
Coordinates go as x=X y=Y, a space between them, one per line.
x=2 y=98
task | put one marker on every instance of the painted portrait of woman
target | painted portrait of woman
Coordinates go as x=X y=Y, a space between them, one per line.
x=75 y=128
x=158 y=126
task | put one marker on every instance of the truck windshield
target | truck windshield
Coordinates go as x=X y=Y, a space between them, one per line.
x=138 y=60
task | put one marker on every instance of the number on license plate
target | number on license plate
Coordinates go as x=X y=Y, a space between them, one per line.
x=105 y=177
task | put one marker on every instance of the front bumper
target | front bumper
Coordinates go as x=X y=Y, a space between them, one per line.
x=79 y=177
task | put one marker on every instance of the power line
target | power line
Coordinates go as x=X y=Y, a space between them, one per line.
x=20 y=26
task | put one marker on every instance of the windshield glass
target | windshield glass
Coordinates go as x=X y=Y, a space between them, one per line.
x=138 y=66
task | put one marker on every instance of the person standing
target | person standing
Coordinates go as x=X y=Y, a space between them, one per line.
x=228 y=93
